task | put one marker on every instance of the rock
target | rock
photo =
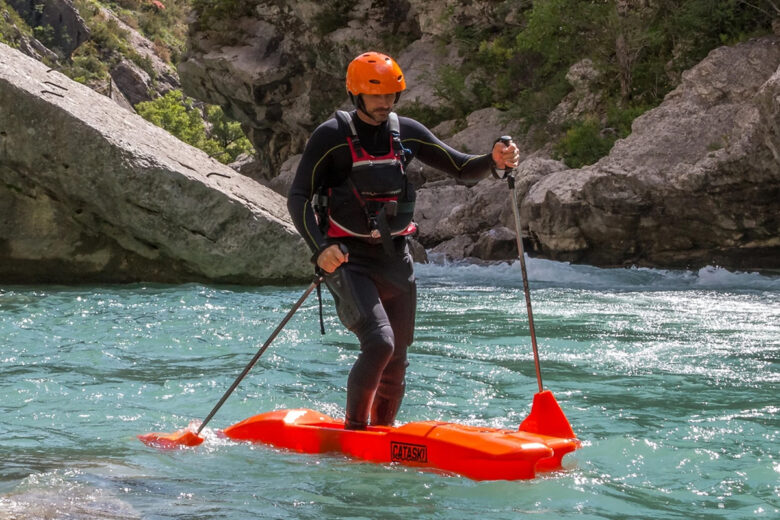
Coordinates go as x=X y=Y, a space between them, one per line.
x=419 y=255
x=265 y=73
x=696 y=183
x=499 y=243
x=90 y=192
x=116 y=95
x=444 y=17
x=483 y=127
x=134 y=82
x=583 y=99
x=453 y=249
x=420 y=62
x=35 y=49
x=58 y=19
x=445 y=210
x=282 y=182
x=280 y=72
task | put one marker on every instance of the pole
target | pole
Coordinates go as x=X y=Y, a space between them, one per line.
x=510 y=179
x=262 y=349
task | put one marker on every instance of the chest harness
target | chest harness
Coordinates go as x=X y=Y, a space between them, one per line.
x=376 y=200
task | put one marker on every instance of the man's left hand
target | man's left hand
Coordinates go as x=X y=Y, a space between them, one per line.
x=506 y=156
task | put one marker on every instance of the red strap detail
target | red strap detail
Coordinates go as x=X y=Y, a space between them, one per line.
x=365 y=156
x=335 y=232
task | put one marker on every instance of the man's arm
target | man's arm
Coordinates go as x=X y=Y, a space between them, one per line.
x=316 y=160
x=467 y=168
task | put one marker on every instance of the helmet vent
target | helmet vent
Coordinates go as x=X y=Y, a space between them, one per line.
x=374 y=81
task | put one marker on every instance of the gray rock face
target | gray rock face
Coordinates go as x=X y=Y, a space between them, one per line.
x=462 y=222
x=135 y=83
x=59 y=19
x=132 y=81
x=90 y=192
x=697 y=182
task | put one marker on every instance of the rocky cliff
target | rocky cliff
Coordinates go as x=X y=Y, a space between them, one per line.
x=696 y=182
x=90 y=192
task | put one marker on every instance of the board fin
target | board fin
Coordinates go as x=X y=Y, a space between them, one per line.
x=168 y=441
x=547 y=418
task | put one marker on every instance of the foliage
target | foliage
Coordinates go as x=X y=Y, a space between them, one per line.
x=588 y=140
x=178 y=115
x=641 y=48
x=582 y=144
x=213 y=11
x=332 y=15
x=85 y=65
x=12 y=26
x=228 y=137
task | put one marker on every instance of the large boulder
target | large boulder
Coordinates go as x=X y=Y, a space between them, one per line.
x=90 y=192
x=697 y=182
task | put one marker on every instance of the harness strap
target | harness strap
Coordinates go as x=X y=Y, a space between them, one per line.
x=384 y=231
x=377 y=221
x=345 y=118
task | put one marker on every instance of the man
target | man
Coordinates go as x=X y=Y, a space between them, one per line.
x=352 y=203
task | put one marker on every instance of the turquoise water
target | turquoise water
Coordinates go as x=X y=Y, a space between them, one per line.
x=670 y=378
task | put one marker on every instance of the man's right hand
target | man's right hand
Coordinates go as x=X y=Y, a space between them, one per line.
x=331 y=258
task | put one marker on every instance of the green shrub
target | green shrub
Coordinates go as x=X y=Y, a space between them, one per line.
x=228 y=138
x=583 y=144
x=215 y=11
x=587 y=140
x=333 y=15
x=524 y=64
x=85 y=65
x=177 y=114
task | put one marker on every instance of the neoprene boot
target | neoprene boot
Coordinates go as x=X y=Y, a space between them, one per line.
x=358 y=407
x=385 y=407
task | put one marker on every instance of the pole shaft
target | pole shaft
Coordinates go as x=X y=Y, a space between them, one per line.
x=526 y=290
x=262 y=349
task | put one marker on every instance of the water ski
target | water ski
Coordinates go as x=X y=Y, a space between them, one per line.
x=479 y=453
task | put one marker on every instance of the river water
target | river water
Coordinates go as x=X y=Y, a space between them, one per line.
x=670 y=378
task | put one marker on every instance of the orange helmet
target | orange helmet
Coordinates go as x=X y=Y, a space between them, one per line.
x=374 y=73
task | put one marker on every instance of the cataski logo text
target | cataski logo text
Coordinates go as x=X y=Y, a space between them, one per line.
x=403 y=452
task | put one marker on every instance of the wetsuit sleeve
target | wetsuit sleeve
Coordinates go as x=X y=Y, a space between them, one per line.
x=316 y=161
x=467 y=168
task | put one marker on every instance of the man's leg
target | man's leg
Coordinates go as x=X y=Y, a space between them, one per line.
x=392 y=385
x=361 y=311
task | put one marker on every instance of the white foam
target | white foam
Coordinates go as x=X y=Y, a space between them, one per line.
x=551 y=273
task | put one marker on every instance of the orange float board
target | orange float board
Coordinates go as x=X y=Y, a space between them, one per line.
x=478 y=453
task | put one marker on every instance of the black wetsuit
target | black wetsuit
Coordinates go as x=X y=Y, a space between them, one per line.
x=375 y=292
